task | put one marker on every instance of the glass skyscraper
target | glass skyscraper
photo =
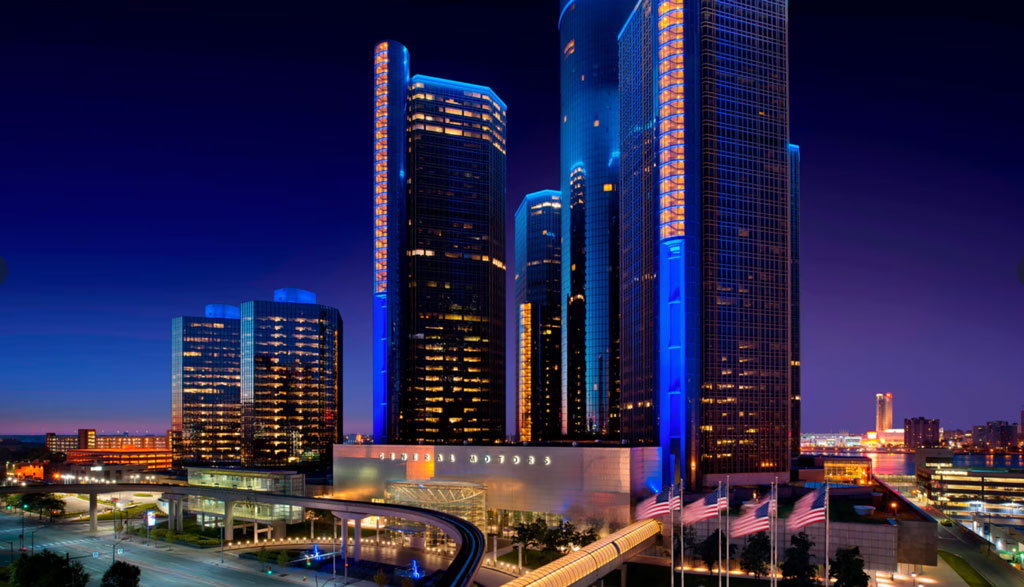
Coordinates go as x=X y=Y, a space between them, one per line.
x=537 y=274
x=706 y=242
x=291 y=375
x=205 y=385
x=589 y=173
x=439 y=256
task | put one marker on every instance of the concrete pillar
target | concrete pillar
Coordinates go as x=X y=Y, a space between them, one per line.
x=622 y=575
x=229 y=521
x=93 y=526
x=344 y=540
x=357 y=536
x=180 y=511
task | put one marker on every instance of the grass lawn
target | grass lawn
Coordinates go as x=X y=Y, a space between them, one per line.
x=143 y=494
x=965 y=570
x=134 y=511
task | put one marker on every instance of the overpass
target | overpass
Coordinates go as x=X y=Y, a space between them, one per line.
x=468 y=539
x=589 y=564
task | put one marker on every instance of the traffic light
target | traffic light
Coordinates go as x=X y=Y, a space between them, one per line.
x=24 y=506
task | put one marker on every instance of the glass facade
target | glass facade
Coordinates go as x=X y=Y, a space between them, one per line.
x=537 y=275
x=705 y=250
x=205 y=386
x=589 y=173
x=439 y=313
x=276 y=482
x=291 y=380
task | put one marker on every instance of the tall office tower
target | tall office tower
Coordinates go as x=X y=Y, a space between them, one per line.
x=705 y=252
x=205 y=387
x=883 y=411
x=291 y=376
x=439 y=256
x=537 y=260
x=794 y=297
x=590 y=230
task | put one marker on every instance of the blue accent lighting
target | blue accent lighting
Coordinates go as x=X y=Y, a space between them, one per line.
x=294 y=295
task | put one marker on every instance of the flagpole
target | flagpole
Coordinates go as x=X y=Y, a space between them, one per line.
x=718 y=496
x=728 y=562
x=672 y=538
x=826 y=534
x=682 y=542
x=774 y=530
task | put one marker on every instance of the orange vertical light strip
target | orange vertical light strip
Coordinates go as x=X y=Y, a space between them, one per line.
x=671 y=128
x=380 y=169
x=525 y=372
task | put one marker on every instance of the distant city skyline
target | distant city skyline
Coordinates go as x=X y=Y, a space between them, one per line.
x=226 y=165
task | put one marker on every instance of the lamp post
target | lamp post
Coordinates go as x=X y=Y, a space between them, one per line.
x=11 y=544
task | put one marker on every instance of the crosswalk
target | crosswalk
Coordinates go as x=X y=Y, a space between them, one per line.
x=68 y=542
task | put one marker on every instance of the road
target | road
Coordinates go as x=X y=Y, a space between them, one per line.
x=974 y=550
x=161 y=565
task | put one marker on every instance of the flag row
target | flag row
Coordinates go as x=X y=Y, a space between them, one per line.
x=756 y=517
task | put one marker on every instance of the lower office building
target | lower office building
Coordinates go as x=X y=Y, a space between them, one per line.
x=501 y=486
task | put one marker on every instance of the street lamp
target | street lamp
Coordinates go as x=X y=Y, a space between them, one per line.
x=913 y=576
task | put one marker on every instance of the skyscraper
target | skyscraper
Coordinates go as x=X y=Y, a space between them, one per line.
x=439 y=256
x=883 y=411
x=920 y=433
x=537 y=274
x=291 y=375
x=205 y=386
x=706 y=243
x=794 y=297
x=590 y=228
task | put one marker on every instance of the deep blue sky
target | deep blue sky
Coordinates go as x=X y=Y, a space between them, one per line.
x=157 y=156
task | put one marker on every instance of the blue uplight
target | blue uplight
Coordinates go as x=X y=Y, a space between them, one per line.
x=294 y=295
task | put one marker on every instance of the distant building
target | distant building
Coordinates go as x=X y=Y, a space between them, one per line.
x=206 y=386
x=998 y=434
x=883 y=412
x=921 y=433
x=291 y=380
x=150 y=458
x=539 y=338
x=86 y=438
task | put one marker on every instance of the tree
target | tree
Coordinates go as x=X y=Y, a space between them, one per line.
x=848 y=568
x=282 y=559
x=170 y=536
x=121 y=574
x=263 y=555
x=689 y=540
x=380 y=578
x=408 y=582
x=47 y=569
x=756 y=554
x=797 y=569
x=709 y=549
x=531 y=534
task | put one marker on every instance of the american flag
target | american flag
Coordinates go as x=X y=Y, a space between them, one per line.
x=754 y=520
x=706 y=507
x=677 y=498
x=655 y=505
x=809 y=509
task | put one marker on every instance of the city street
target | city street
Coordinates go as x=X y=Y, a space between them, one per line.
x=973 y=549
x=161 y=565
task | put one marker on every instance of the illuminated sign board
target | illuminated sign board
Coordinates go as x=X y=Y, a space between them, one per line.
x=150 y=519
x=486 y=458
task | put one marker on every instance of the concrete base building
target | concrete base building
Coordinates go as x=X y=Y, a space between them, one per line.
x=593 y=486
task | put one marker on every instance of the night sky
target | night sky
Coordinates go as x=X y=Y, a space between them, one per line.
x=158 y=156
